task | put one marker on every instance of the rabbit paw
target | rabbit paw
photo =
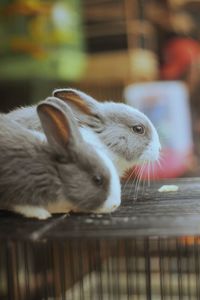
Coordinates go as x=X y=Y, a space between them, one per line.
x=29 y=211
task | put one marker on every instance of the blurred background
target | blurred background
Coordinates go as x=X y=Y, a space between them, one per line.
x=145 y=53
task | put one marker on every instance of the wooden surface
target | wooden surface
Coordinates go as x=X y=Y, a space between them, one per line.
x=152 y=214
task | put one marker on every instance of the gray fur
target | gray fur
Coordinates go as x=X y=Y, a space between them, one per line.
x=36 y=172
x=27 y=117
x=112 y=122
x=116 y=131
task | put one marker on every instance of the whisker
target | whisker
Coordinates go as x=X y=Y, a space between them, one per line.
x=128 y=179
x=159 y=163
x=146 y=175
x=162 y=156
x=134 y=183
x=151 y=172
x=138 y=182
x=144 y=179
x=149 y=164
x=134 y=180
x=142 y=172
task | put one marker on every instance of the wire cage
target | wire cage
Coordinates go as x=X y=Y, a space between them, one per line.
x=122 y=269
x=149 y=249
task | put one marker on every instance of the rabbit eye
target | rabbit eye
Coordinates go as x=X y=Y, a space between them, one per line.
x=138 y=129
x=98 y=180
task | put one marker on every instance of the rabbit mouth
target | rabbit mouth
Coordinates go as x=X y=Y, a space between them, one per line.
x=152 y=153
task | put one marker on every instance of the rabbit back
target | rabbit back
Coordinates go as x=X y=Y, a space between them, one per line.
x=25 y=167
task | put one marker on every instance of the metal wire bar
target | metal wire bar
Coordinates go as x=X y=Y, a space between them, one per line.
x=104 y=269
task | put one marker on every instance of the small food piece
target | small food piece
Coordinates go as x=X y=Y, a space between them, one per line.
x=168 y=188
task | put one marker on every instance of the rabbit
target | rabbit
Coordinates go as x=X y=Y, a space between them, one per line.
x=54 y=171
x=128 y=136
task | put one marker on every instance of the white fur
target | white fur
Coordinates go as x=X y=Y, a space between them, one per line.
x=39 y=135
x=114 y=198
x=90 y=137
x=152 y=151
x=31 y=211
x=120 y=163
x=105 y=108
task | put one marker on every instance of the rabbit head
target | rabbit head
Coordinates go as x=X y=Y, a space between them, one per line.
x=88 y=178
x=129 y=135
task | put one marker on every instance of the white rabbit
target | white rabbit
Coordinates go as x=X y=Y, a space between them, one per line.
x=128 y=135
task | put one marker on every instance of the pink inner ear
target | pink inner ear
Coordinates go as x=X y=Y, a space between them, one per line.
x=59 y=123
x=76 y=100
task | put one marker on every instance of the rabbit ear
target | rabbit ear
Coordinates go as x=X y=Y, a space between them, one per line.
x=60 y=128
x=78 y=100
x=85 y=108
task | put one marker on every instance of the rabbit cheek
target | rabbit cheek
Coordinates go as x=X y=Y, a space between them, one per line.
x=152 y=151
x=113 y=199
x=89 y=198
